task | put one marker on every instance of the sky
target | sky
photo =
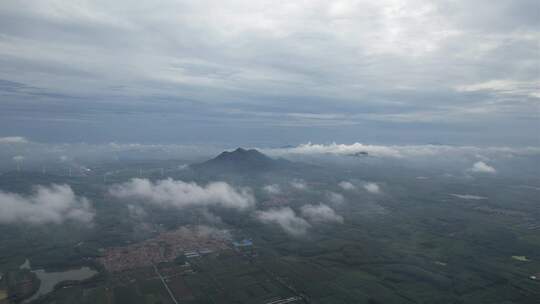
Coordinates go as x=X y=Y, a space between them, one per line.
x=271 y=73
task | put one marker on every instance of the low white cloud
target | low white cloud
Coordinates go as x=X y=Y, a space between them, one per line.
x=298 y=184
x=272 y=189
x=13 y=140
x=335 y=198
x=345 y=185
x=320 y=213
x=179 y=194
x=482 y=167
x=286 y=218
x=372 y=188
x=53 y=204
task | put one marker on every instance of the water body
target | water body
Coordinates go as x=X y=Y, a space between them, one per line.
x=49 y=279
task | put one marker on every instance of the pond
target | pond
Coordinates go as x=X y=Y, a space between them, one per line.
x=49 y=279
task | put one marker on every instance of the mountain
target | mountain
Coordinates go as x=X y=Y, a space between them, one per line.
x=242 y=160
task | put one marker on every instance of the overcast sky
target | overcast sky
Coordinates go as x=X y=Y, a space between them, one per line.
x=271 y=72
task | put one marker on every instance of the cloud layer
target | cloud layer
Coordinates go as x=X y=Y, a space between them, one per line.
x=179 y=194
x=275 y=66
x=53 y=204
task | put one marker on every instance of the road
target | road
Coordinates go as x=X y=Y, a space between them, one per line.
x=165 y=284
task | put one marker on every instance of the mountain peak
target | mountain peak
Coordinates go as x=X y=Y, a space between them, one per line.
x=241 y=154
x=241 y=160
